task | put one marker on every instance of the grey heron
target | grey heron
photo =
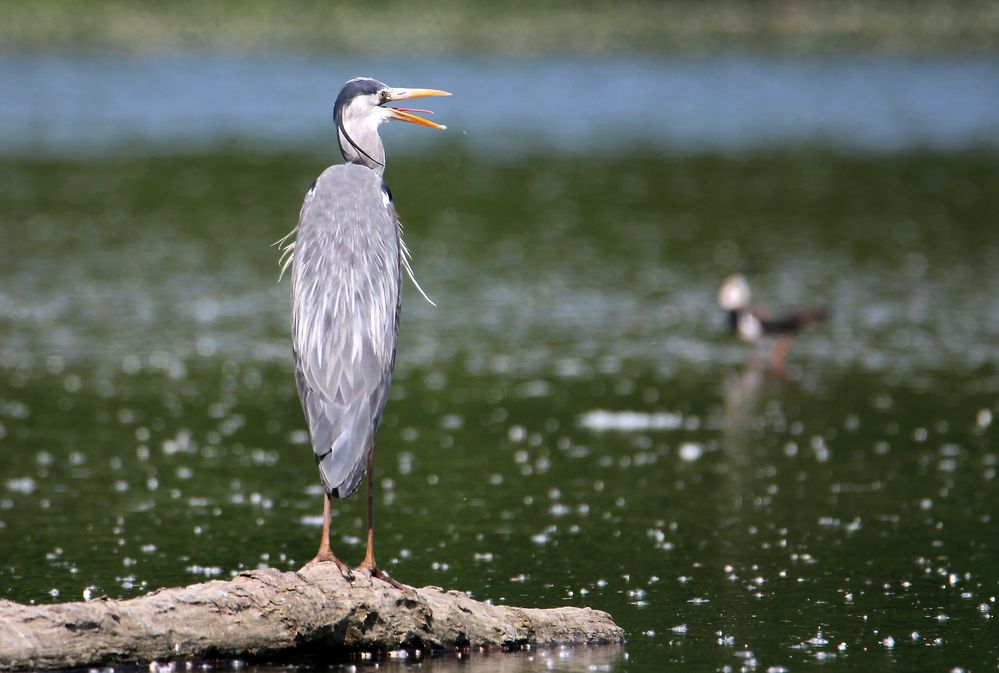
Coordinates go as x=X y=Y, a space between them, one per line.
x=753 y=324
x=346 y=260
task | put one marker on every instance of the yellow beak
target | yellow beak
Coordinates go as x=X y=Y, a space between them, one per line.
x=406 y=114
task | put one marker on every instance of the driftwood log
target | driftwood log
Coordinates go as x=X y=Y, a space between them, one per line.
x=269 y=614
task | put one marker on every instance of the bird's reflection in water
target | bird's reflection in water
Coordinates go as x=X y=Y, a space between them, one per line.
x=744 y=394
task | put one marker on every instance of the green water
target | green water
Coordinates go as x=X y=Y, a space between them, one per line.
x=571 y=425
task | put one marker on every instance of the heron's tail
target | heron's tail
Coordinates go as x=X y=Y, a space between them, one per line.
x=342 y=439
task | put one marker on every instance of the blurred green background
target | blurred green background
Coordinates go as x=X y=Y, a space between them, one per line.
x=505 y=27
x=572 y=424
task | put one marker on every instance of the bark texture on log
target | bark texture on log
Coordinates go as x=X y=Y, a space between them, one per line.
x=269 y=612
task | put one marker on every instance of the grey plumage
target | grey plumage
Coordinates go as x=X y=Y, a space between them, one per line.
x=346 y=296
x=346 y=265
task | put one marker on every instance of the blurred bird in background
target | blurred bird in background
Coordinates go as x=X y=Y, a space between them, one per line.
x=757 y=327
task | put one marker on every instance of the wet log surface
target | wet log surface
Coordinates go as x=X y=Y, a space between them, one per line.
x=269 y=613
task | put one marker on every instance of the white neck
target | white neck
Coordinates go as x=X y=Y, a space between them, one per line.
x=362 y=127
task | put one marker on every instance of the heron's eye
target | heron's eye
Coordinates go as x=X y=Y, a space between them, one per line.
x=383 y=97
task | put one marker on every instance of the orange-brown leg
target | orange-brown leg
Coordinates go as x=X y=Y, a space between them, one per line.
x=325 y=554
x=780 y=351
x=368 y=563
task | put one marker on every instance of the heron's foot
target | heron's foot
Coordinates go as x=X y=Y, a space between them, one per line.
x=326 y=556
x=374 y=571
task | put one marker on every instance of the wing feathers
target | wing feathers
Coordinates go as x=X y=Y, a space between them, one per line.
x=345 y=299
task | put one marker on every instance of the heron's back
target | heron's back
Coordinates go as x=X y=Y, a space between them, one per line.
x=345 y=309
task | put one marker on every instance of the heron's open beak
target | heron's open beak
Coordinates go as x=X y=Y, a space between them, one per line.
x=406 y=114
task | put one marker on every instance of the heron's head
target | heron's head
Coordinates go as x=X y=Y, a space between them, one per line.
x=734 y=293
x=360 y=109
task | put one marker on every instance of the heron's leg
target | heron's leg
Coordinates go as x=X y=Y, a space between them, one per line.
x=325 y=554
x=369 y=555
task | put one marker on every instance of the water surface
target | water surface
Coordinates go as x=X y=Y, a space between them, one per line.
x=571 y=426
x=67 y=103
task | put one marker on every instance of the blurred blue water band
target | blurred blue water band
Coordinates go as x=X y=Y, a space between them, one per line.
x=59 y=104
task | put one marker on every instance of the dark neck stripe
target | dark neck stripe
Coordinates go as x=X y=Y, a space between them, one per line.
x=346 y=135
